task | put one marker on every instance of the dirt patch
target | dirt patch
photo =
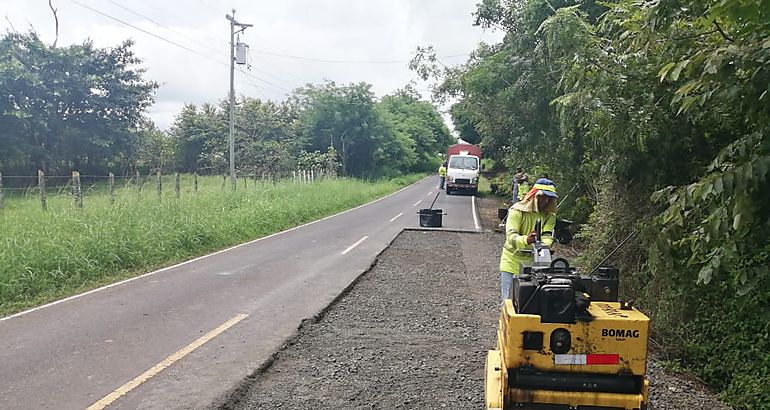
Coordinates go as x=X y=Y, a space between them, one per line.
x=487 y=207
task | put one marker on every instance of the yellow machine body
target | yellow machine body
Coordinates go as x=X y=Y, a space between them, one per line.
x=610 y=347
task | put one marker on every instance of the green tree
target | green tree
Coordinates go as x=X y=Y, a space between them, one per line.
x=464 y=122
x=348 y=119
x=420 y=122
x=634 y=98
x=266 y=136
x=201 y=139
x=74 y=107
x=154 y=150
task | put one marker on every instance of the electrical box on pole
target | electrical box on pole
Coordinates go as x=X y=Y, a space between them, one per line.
x=241 y=53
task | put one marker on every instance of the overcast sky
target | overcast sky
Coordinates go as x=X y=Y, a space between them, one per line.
x=358 y=40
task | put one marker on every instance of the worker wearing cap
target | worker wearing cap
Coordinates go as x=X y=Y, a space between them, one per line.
x=538 y=204
x=520 y=186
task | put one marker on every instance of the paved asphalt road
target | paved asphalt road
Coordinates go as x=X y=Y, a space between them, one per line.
x=182 y=336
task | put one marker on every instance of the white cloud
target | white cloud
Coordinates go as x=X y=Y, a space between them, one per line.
x=371 y=30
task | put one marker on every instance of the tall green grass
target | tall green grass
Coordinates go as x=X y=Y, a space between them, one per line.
x=48 y=255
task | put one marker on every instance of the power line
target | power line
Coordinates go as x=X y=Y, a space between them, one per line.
x=205 y=3
x=196 y=41
x=184 y=20
x=142 y=30
x=224 y=42
x=167 y=28
x=279 y=90
x=327 y=61
x=173 y=43
x=288 y=83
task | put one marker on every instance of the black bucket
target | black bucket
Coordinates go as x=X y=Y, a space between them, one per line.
x=502 y=213
x=431 y=218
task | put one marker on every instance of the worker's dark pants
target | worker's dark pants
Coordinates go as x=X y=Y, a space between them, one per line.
x=441 y=182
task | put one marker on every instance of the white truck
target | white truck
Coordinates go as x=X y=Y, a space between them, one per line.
x=462 y=173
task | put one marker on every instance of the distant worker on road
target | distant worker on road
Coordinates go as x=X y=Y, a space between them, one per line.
x=442 y=175
x=520 y=185
x=538 y=204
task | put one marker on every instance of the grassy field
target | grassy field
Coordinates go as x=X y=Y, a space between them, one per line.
x=48 y=255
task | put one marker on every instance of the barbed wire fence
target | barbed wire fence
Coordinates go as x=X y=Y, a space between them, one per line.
x=79 y=185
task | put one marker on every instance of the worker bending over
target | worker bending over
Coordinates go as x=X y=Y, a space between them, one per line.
x=538 y=204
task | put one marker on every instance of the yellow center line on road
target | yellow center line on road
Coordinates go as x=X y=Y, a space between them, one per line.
x=350 y=248
x=153 y=371
x=396 y=217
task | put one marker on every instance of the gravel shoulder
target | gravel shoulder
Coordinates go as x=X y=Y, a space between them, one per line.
x=412 y=333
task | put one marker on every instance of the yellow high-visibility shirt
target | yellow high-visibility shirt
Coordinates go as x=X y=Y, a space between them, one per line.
x=517 y=227
x=442 y=171
x=523 y=189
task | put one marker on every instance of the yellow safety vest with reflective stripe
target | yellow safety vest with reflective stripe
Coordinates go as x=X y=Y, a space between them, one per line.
x=517 y=227
x=442 y=171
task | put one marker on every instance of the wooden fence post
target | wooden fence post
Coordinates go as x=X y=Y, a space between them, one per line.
x=176 y=185
x=41 y=188
x=77 y=192
x=138 y=184
x=195 y=182
x=112 y=188
x=224 y=181
x=294 y=176
x=2 y=200
x=159 y=185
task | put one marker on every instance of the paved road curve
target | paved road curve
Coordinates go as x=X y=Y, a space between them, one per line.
x=182 y=336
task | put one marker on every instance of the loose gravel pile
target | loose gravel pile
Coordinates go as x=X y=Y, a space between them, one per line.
x=411 y=334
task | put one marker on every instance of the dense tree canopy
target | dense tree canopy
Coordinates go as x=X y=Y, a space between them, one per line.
x=83 y=108
x=347 y=118
x=419 y=121
x=68 y=107
x=660 y=111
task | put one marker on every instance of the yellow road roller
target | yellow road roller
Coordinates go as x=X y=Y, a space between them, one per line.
x=565 y=341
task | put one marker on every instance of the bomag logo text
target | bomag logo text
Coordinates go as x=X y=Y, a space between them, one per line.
x=620 y=333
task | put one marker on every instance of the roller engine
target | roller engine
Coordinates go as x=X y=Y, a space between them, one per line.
x=564 y=340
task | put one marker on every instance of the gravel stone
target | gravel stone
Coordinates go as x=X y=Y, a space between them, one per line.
x=412 y=334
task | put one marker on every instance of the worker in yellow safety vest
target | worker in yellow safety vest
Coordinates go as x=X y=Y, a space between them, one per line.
x=442 y=175
x=538 y=204
x=520 y=185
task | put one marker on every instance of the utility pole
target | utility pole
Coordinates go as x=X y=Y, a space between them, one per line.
x=233 y=32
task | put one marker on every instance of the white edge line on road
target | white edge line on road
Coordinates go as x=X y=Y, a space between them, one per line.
x=430 y=193
x=67 y=299
x=154 y=370
x=417 y=203
x=396 y=217
x=350 y=248
x=473 y=209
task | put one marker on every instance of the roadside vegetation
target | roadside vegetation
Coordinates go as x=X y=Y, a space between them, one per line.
x=660 y=113
x=66 y=250
x=83 y=108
